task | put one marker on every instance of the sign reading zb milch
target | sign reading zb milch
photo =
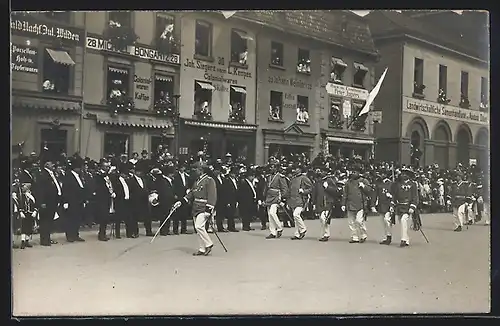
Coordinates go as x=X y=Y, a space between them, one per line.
x=24 y=58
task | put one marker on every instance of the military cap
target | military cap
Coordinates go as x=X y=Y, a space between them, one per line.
x=144 y=151
x=75 y=162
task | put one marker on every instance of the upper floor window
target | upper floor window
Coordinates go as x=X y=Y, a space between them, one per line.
x=239 y=48
x=56 y=71
x=163 y=95
x=443 y=83
x=62 y=16
x=203 y=99
x=418 y=77
x=122 y=18
x=277 y=55
x=359 y=75
x=118 y=89
x=337 y=71
x=203 y=39
x=165 y=33
x=304 y=61
x=275 y=105
x=302 y=109
x=335 y=115
x=464 y=90
x=484 y=93
x=237 y=100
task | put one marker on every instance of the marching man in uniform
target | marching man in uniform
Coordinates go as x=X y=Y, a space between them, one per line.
x=326 y=194
x=383 y=199
x=203 y=197
x=356 y=191
x=299 y=190
x=275 y=192
x=405 y=196
x=460 y=194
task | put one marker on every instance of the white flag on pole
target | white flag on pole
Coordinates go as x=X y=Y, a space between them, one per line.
x=228 y=13
x=372 y=95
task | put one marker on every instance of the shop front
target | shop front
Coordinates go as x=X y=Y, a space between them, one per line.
x=347 y=147
x=217 y=139
x=288 y=142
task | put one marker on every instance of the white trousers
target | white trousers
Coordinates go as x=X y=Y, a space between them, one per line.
x=300 y=226
x=200 y=221
x=386 y=222
x=324 y=227
x=404 y=220
x=459 y=215
x=357 y=225
x=274 y=221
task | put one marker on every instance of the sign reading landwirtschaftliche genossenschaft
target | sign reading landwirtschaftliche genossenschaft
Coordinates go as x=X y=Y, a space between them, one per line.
x=24 y=58
x=30 y=26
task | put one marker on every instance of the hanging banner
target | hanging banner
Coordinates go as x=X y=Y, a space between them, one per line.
x=347 y=108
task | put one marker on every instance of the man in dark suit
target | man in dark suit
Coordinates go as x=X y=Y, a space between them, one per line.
x=230 y=190
x=160 y=187
x=48 y=194
x=104 y=199
x=122 y=200
x=139 y=202
x=168 y=175
x=260 y=185
x=247 y=198
x=89 y=185
x=74 y=199
x=220 y=207
x=181 y=183
x=144 y=163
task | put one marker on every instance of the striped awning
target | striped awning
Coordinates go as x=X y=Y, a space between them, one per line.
x=135 y=122
x=167 y=79
x=118 y=70
x=206 y=86
x=238 y=89
x=61 y=57
x=338 y=62
x=243 y=35
x=350 y=140
x=45 y=104
x=220 y=125
x=360 y=66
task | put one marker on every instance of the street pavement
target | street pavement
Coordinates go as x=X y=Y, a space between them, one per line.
x=451 y=274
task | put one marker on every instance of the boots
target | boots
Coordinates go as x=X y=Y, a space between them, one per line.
x=387 y=240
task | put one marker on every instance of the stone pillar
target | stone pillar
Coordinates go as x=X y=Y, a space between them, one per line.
x=266 y=153
x=311 y=153
x=404 y=157
x=428 y=153
x=452 y=151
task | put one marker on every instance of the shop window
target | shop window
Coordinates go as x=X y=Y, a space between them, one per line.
x=54 y=141
x=335 y=118
x=165 y=33
x=123 y=18
x=359 y=124
x=239 y=48
x=483 y=105
x=203 y=100
x=418 y=78
x=276 y=105
x=118 y=82
x=302 y=109
x=464 y=90
x=60 y=16
x=359 y=75
x=164 y=142
x=57 y=66
x=203 y=39
x=443 y=85
x=237 y=100
x=238 y=149
x=163 y=95
x=116 y=143
x=277 y=54
x=304 y=62
x=337 y=71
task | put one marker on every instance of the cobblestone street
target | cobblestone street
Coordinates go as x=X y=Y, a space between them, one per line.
x=258 y=276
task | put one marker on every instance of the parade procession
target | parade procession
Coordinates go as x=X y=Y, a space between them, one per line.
x=275 y=143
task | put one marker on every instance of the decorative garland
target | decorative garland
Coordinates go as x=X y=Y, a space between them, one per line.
x=418 y=88
x=203 y=114
x=164 y=108
x=237 y=115
x=335 y=117
x=120 y=36
x=119 y=102
x=442 y=97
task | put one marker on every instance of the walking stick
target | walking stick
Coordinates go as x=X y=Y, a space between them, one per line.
x=172 y=210
x=215 y=232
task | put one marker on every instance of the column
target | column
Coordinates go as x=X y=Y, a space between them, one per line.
x=266 y=153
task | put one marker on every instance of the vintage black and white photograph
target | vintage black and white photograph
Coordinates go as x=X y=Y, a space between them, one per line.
x=256 y=162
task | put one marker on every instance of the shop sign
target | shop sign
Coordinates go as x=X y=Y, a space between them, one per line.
x=433 y=109
x=347 y=108
x=218 y=73
x=346 y=91
x=292 y=82
x=31 y=27
x=142 y=52
x=24 y=58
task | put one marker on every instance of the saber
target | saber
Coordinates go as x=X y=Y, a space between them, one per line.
x=172 y=210
x=421 y=231
x=215 y=232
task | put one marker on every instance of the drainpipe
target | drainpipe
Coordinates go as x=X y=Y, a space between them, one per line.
x=80 y=130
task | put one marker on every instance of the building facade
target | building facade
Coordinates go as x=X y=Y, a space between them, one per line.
x=294 y=65
x=47 y=81
x=217 y=86
x=132 y=76
x=435 y=95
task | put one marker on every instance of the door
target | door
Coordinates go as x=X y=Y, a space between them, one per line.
x=55 y=141
x=116 y=143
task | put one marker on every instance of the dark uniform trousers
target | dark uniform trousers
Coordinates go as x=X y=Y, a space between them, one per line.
x=46 y=222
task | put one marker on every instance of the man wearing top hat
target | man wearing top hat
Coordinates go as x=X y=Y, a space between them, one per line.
x=230 y=191
x=220 y=210
x=275 y=195
x=203 y=197
x=299 y=189
x=144 y=163
x=404 y=202
x=159 y=186
x=123 y=201
x=74 y=197
x=104 y=198
x=247 y=198
x=48 y=192
x=169 y=198
x=139 y=201
x=182 y=182
x=260 y=185
x=383 y=199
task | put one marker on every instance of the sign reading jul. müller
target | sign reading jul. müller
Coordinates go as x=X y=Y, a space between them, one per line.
x=99 y=44
x=437 y=110
x=30 y=26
